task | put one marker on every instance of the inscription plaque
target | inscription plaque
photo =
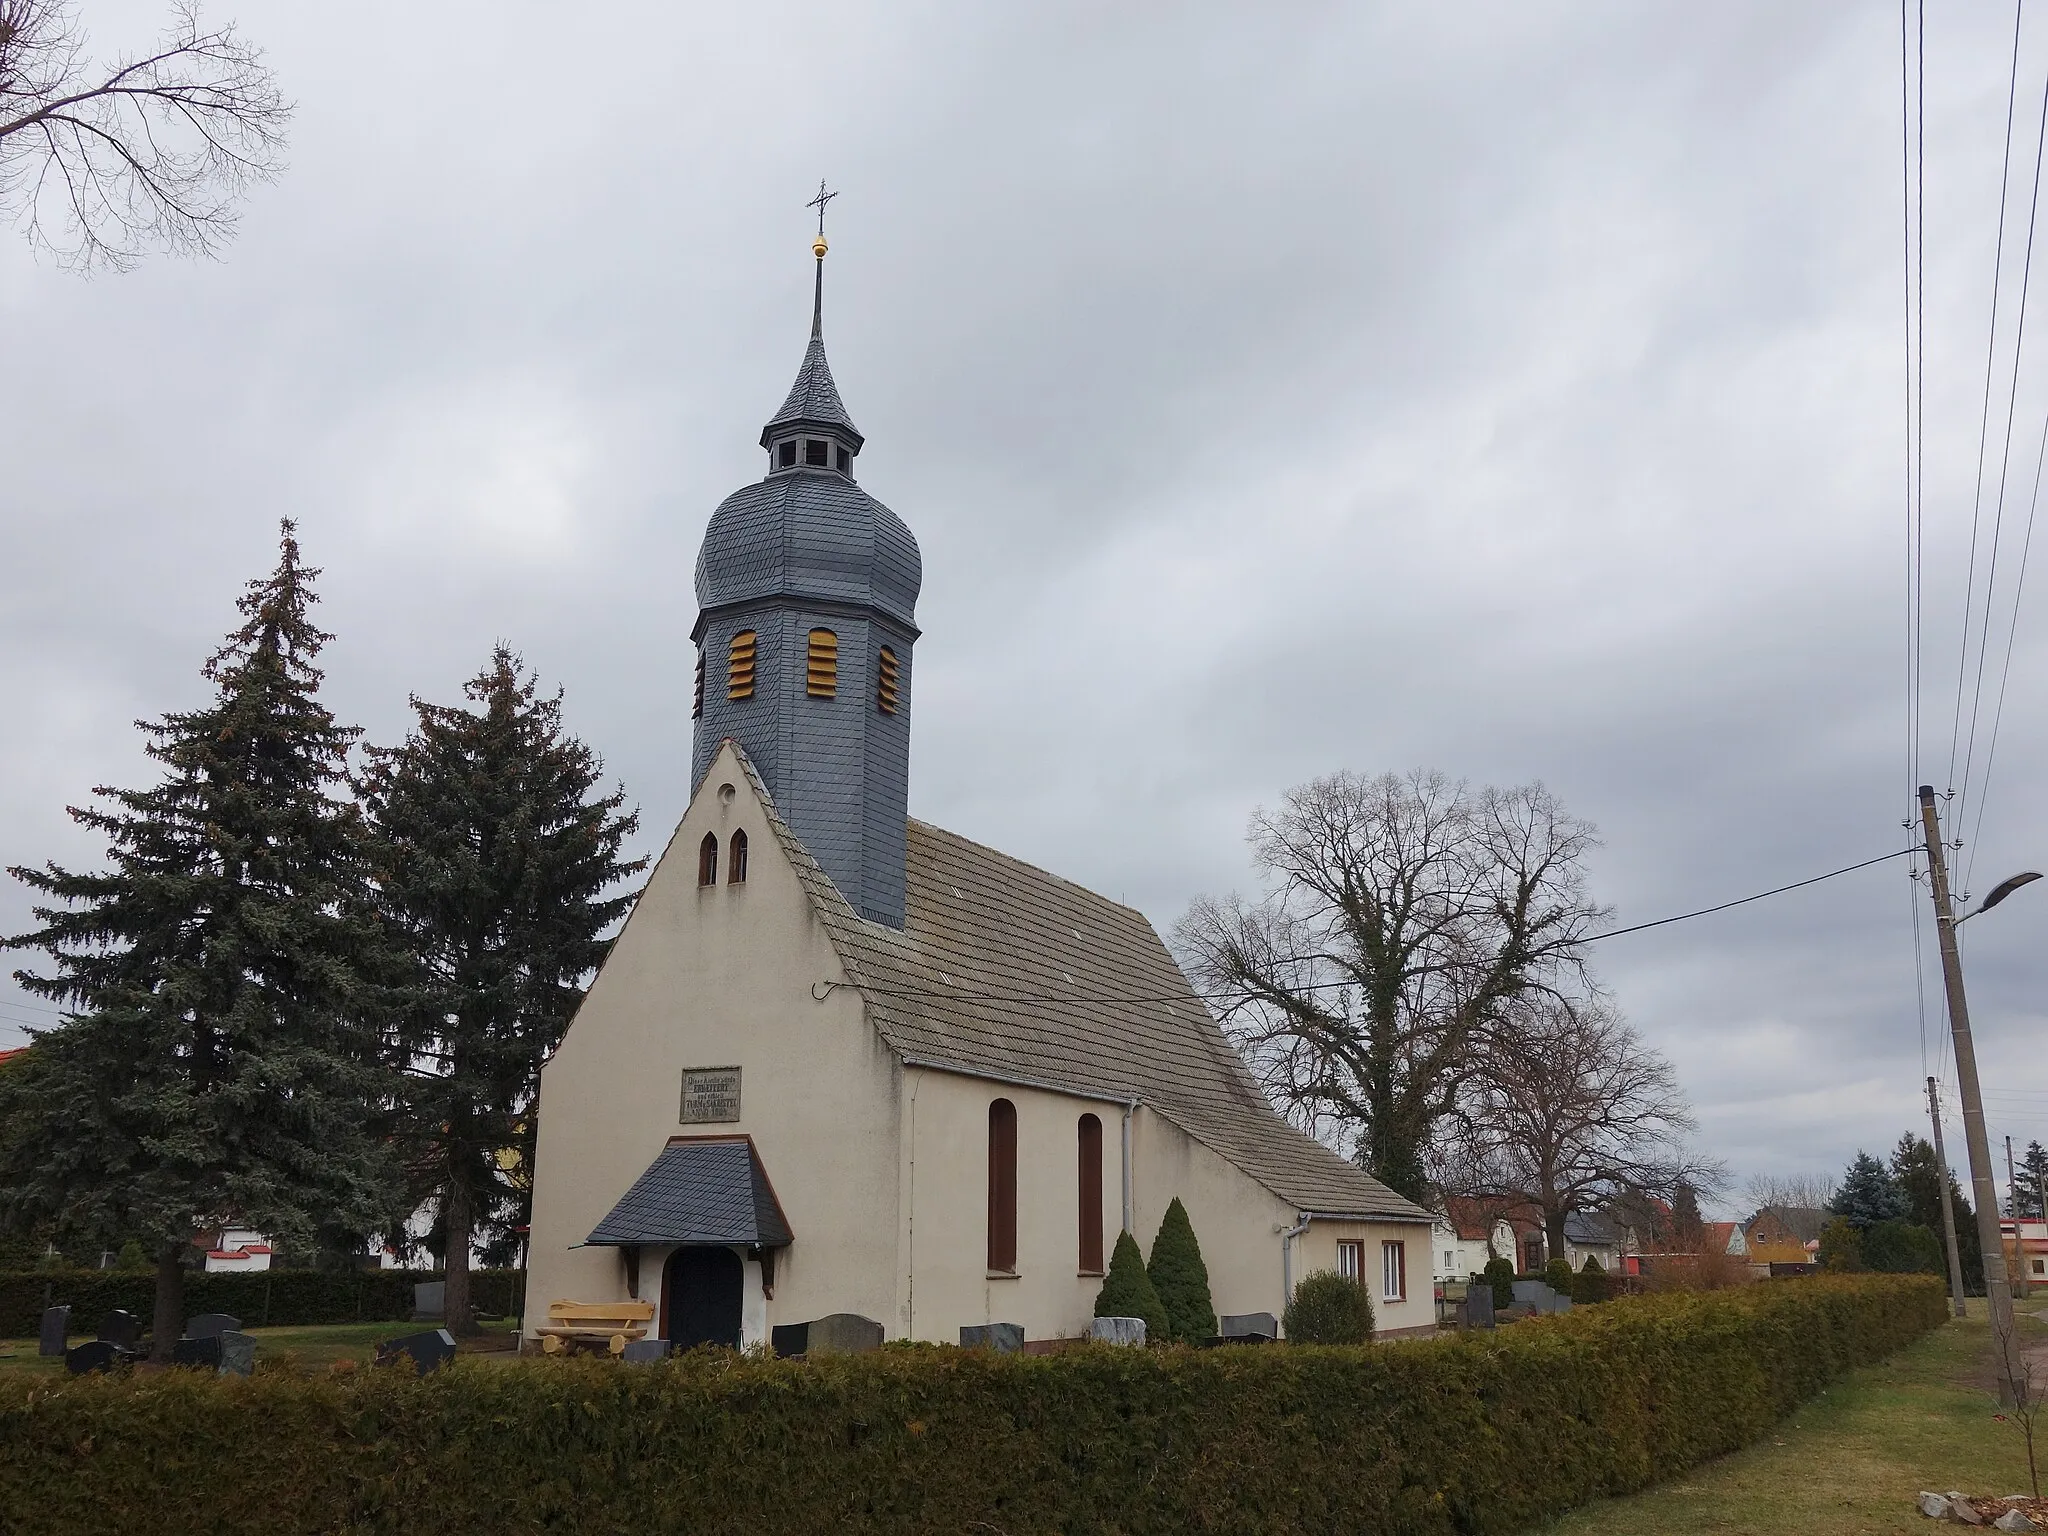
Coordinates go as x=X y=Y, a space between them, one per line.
x=711 y=1095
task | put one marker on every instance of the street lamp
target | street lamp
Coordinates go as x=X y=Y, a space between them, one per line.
x=1997 y=1285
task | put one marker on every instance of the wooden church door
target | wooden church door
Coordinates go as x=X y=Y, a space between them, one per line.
x=700 y=1301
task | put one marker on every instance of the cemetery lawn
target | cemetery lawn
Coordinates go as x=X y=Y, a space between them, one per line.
x=1851 y=1461
x=313 y=1348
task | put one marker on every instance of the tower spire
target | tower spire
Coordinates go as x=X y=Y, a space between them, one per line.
x=818 y=249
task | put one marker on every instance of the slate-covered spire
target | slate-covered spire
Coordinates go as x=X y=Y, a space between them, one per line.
x=814 y=399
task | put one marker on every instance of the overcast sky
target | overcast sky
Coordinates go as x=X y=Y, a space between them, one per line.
x=1513 y=390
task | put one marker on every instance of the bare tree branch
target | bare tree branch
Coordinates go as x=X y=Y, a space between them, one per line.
x=1402 y=915
x=100 y=165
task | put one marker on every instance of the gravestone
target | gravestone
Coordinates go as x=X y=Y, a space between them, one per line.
x=645 y=1351
x=209 y=1324
x=201 y=1352
x=1125 y=1331
x=427 y=1351
x=1246 y=1325
x=842 y=1333
x=120 y=1330
x=1478 y=1306
x=99 y=1355
x=237 y=1353
x=429 y=1300
x=1003 y=1338
x=789 y=1340
x=56 y=1325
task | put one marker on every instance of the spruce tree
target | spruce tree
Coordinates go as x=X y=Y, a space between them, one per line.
x=1868 y=1194
x=2033 y=1175
x=213 y=1065
x=1918 y=1177
x=1688 y=1232
x=1181 y=1278
x=495 y=859
x=1127 y=1291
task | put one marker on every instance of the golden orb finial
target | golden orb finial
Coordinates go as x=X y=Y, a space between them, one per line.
x=818 y=247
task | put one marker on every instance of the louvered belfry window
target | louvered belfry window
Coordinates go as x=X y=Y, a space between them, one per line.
x=739 y=666
x=697 y=692
x=885 y=682
x=821 y=665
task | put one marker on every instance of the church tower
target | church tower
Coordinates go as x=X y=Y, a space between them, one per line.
x=807 y=595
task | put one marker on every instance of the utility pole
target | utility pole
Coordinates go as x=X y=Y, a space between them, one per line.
x=2019 y=1240
x=1948 y=1207
x=1975 y=1137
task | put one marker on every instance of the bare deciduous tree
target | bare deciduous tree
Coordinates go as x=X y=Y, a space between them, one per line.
x=1791 y=1191
x=1402 y=916
x=102 y=162
x=1568 y=1110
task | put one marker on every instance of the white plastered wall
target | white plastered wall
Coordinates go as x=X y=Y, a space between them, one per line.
x=1413 y=1311
x=723 y=976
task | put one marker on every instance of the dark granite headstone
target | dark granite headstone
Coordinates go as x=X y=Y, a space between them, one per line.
x=645 y=1351
x=201 y=1352
x=427 y=1351
x=429 y=1300
x=789 y=1339
x=1479 y=1306
x=99 y=1355
x=56 y=1327
x=237 y=1353
x=120 y=1330
x=207 y=1324
x=843 y=1333
x=1239 y=1325
x=1003 y=1338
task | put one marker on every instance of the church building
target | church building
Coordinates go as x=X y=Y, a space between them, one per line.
x=842 y=1061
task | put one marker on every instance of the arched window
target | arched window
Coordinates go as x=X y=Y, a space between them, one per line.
x=1002 y=1185
x=885 y=682
x=821 y=665
x=1091 y=1196
x=739 y=666
x=707 y=860
x=736 y=860
x=697 y=691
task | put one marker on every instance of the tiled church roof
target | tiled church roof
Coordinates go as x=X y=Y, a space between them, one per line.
x=1005 y=971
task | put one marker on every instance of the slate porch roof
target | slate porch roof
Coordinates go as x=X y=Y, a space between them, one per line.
x=1007 y=972
x=698 y=1189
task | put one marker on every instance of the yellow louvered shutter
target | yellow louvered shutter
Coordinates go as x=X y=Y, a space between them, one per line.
x=821 y=665
x=739 y=666
x=885 y=682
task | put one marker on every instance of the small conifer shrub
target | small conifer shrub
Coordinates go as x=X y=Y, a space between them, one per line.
x=1841 y=1249
x=1181 y=1278
x=1557 y=1274
x=1127 y=1290
x=1329 y=1308
x=1500 y=1274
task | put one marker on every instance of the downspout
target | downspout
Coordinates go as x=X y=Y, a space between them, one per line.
x=1287 y=1237
x=1130 y=1108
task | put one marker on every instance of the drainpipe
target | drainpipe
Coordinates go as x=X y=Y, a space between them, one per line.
x=1130 y=1108
x=1287 y=1237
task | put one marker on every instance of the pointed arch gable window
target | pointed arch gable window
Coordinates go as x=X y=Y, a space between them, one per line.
x=886 y=685
x=1090 y=1138
x=707 y=860
x=739 y=666
x=1002 y=1186
x=736 y=860
x=821 y=665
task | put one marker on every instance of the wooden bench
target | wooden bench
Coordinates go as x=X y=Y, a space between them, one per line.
x=574 y=1325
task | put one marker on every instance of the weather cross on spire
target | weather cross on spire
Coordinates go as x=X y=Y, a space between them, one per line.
x=819 y=203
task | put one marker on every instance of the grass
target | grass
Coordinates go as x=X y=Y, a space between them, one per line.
x=1851 y=1461
x=312 y=1348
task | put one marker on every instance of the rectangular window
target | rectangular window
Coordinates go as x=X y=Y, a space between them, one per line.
x=787 y=454
x=816 y=452
x=1450 y=1261
x=1394 y=1271
x=1351 y=1260
x=1090 y=1146
x=1002 y=1187
x=821 y=665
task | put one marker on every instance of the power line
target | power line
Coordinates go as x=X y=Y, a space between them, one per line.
x=1847 y=869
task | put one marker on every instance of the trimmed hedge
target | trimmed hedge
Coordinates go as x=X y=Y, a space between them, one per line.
x=274 y=1298
x=1474 y=1433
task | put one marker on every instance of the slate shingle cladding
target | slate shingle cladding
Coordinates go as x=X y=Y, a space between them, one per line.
x=807 y=548
x=698 y=1190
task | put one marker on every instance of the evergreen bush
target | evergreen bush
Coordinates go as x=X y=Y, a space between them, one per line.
x=1841 y=1248
x=1500 y=1274
x=1181 y=1278
x=1328 y=1308
x=1901 y=1248
x=1557 y=1274
x=1127 y=1291
x=1477 y=1433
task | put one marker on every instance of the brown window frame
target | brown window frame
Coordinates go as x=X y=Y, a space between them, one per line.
x=1394 y=1265
x=707 y=860
x=1352 y=1248
x=1088 y=1139
x=736 y=859
x=1002 y=1187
